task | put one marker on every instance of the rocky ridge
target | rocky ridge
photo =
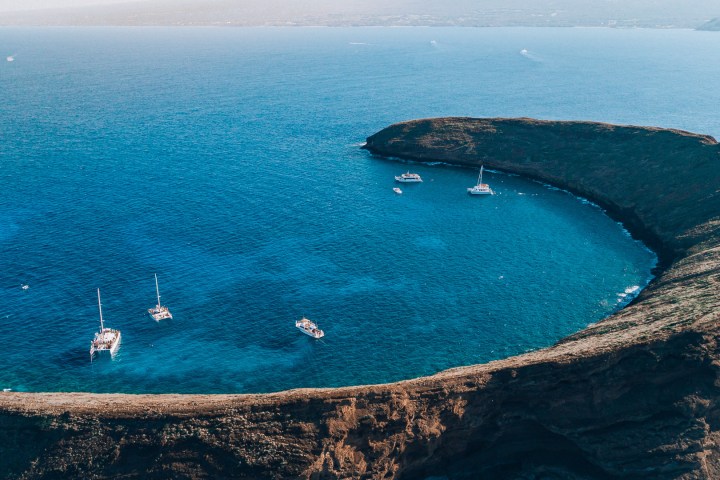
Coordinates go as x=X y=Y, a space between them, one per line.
x=633 y=396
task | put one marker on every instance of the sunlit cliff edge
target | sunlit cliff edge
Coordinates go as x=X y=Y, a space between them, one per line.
x=634 y=396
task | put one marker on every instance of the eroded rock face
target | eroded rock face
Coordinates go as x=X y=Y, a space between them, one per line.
x=634 y=396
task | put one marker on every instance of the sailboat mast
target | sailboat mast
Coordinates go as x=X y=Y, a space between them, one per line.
x=481 y=170
x=102 y=325
x=157 y=289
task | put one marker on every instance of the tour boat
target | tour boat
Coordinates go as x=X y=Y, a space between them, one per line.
x=309 y=327
x=107 y=339
x=159 y=312
x=480 y=188
x=397 y=190
x=408 y=178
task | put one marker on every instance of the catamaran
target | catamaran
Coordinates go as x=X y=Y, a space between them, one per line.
x=159 y=312
x=408 y=178
x=480 y=188
x=107 y=339
x=308 y=327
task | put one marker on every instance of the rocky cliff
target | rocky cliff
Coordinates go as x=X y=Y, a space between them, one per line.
x=635 y=396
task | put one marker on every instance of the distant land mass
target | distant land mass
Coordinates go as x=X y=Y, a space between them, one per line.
x=711 y=26
x=468 y=13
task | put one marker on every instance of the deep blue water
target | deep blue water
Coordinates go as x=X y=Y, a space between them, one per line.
x=228 y=161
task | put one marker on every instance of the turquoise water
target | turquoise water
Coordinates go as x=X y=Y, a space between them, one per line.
x=227 y=161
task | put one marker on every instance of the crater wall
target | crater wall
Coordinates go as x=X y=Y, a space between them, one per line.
x=633 y=396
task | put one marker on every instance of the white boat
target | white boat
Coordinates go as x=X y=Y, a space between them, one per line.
x=397 y=190
x=159 y=312
x=107 y=339
x=308 y=327
x=408 y=178
x=480 y=188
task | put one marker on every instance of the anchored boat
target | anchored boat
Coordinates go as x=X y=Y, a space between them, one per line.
x=107 y=339
x=159 y=312
x=309 y=327
x=408 y=178
x=480 y=188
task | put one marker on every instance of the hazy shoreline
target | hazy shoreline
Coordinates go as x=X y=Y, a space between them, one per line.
x=462 y=13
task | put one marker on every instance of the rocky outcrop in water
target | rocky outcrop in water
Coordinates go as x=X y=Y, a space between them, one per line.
x=634 y=396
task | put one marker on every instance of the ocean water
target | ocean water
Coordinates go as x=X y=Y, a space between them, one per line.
x=227 y=161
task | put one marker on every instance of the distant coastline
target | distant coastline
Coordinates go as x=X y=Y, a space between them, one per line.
x=711 y=26
x=462 y=13
x=63 y=21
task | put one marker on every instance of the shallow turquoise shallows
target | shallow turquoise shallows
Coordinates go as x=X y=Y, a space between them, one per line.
x=227 y=161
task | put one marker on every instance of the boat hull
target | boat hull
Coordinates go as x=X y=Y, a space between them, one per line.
x=116 y=345
x=316 y=334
